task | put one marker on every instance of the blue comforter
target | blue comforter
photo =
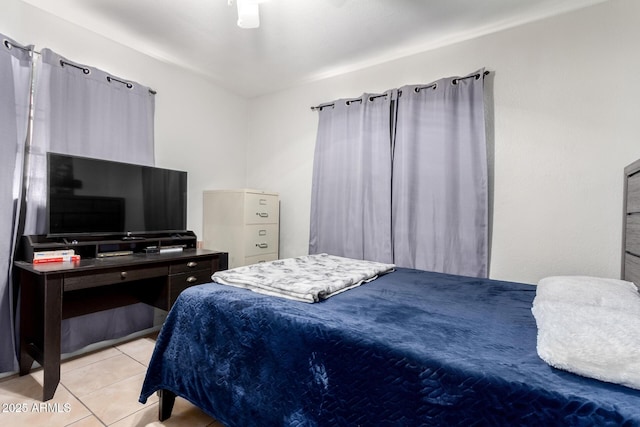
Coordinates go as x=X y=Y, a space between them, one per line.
x=411 y=348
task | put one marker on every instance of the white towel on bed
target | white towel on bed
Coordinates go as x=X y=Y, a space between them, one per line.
x=309 y=278
x=590 y=326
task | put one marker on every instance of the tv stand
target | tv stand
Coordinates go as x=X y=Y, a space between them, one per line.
x=51 y=292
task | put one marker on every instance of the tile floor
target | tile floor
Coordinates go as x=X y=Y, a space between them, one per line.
x=96 y=389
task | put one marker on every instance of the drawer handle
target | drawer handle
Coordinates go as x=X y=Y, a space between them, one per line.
x=192 y=279
x=262 y=245
x=263 y=201
x=262 y=214
x=192 y=264
x=262 y=232
x=123 y=275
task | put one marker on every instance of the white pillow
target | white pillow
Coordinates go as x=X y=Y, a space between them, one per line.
x=594 y=291
x=590 y=326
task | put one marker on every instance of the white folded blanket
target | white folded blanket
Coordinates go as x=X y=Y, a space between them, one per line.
x=309 y=278
x=590 y=326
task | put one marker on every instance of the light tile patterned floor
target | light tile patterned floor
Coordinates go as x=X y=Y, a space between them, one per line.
x=96 y=390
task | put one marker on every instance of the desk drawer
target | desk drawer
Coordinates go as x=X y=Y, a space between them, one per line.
x=110 y=277
x=180 y=282
x=189 y=265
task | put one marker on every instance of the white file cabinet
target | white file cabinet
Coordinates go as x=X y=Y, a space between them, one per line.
x=244 y=223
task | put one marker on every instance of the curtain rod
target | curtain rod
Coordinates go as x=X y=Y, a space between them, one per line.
x=417 y=89
x=9 y=45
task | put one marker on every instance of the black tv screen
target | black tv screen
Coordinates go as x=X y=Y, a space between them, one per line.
x=92 y=196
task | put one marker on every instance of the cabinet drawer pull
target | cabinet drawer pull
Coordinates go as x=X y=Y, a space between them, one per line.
x=192 y=264
x=262 y=214
x=192 y=279
x=262 y=245
x=262 y=232
x=123 y=274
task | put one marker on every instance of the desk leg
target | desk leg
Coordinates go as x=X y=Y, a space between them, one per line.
x=28 y=302
x=40 y=319
x=52 y=331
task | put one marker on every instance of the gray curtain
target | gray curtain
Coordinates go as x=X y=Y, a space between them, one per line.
x=81 y=110
x=429 y=189
x=15 y=87
x=351 y=191
x=84 y=111
x=440 y=190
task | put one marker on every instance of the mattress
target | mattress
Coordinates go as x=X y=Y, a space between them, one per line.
x=410 y=348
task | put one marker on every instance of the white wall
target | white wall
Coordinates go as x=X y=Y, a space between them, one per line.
x=199 y=127
x=567 y=121
x=567 y=107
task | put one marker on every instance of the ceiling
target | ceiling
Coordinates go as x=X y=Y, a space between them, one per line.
x=298 y=41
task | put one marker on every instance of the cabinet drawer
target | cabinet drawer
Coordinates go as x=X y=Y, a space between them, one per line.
x=632 y=269
x=261 y=208
x=260 y=239
x=191 y=265
x=260 y=258
x=633 y=234
x=633 y=193
x=110 y=277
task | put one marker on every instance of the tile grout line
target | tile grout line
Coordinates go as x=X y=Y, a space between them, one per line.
x=139 y=354
x=78 y=397
x=123 y=353
x=91 y=413
x=133 y=413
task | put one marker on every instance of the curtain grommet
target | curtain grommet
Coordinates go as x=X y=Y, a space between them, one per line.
x=372 y=98
x=7 y=44
x=474 y=76
x=129 y=85
x=418 y=89
x=85 y=70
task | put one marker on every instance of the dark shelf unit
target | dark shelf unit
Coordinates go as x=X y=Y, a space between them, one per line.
x=89 y=246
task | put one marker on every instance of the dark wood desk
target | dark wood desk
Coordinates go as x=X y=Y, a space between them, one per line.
x=56 y=291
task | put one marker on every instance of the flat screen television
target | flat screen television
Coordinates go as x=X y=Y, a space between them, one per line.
x=88 y=196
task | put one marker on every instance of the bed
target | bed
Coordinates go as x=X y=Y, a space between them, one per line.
x=411 y=348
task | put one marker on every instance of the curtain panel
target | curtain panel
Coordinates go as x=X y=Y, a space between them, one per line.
x=351 y=191
x=15 y=90
x=84 y=111
x=440 y=190
x=402 y=177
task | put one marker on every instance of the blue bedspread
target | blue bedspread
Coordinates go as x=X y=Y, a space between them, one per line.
x=411 y=348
